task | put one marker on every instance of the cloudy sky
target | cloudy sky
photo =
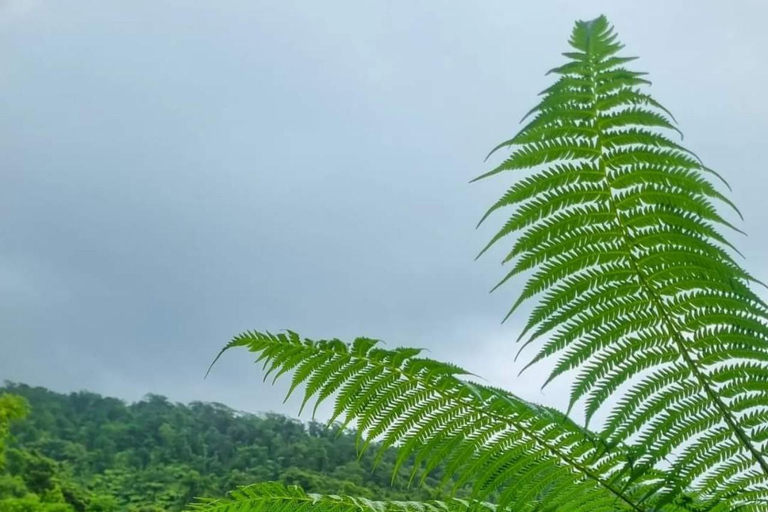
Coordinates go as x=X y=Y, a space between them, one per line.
x=175 y=172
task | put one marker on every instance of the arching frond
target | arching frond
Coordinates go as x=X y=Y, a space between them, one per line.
x=525 y=456
x=638 y=294
x=276 y=497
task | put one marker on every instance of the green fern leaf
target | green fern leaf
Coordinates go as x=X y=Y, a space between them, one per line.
x=276 y=497
x=638 y=294
x=524 y=455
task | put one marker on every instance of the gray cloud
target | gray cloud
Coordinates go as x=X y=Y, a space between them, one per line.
x=176 y=173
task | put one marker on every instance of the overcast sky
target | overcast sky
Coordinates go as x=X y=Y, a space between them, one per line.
x=175 y=172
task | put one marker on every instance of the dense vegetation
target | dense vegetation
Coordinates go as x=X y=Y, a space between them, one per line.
x=84 y=452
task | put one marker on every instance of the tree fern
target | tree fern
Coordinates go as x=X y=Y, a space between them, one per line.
x=619 y=229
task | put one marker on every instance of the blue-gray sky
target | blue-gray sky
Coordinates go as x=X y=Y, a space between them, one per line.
x=175 y=172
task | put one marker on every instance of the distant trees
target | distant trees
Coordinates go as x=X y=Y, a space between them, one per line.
x=29 y=481
x=12 y=408
x=82 y=452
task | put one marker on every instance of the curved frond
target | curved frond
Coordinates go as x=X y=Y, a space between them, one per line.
x=521 y=455
x=276 y=497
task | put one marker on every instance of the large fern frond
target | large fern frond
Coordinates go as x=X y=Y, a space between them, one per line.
x=524 y=456
x=638 y=294
x=276 y=497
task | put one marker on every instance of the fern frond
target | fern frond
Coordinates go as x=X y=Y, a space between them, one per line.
x=525 y=456
x=638 y=293
x=276 y=497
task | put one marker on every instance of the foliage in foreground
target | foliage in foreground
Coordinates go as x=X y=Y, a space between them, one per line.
x=618 y=230
x=276 y=497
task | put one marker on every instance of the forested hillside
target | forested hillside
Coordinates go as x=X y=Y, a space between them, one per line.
x=84 y=452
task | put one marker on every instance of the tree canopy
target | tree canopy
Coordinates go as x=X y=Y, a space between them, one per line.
x=84 y=452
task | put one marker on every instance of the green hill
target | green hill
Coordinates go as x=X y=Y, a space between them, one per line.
x=84 y=452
